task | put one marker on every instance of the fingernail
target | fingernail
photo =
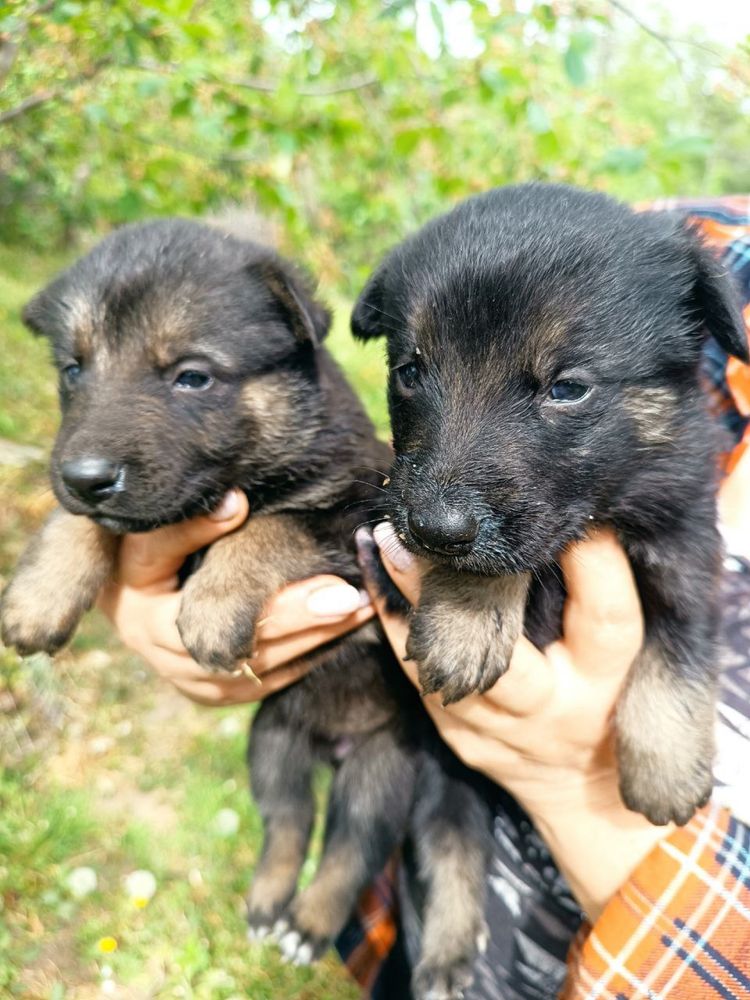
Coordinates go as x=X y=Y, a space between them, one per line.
x=367 y=554
x=391 y=548
x=336 y=600
x=228 y=507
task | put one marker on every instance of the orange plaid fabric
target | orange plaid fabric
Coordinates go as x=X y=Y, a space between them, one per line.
x=679 y=928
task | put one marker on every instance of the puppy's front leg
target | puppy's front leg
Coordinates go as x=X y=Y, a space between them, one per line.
x=57 y=580
x=223 y=600
x=666 y=712
x=463 y=632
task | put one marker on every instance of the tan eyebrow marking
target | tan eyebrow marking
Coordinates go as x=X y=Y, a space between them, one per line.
x=653 y=410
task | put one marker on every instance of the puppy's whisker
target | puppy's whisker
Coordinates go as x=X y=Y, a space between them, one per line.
x=364 y=524
x=396 y=319
x=372 y=486
x=378 y=472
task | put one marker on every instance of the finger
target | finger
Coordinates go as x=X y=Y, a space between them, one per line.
x=527 y=685
x=217 y=691
x=269 y=653
x=302 y=606
x=161 y=623
x=272 y=653
x=154 y=557
x=402 y=567
x=396 y=628
x=602 y=620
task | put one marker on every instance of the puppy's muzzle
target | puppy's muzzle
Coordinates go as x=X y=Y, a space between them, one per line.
x=448 y=530
x=93 y=478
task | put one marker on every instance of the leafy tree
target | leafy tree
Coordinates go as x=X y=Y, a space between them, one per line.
x=347 y=121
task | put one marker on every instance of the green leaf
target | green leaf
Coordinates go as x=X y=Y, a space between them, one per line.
x=537 y=118
x=493 y=82
x=575 y=66
x=182 y=108
x=95 y=113
x=624 y=160
x=150 y=87
x=407 y=141
x=544 y=13
x=548 y=147
x=129 y=206
x=240 y=138
x=582 y=41
x=689 y=146
x=574 y=60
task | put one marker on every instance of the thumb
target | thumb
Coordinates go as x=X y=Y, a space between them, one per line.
x=603 y=620
x=155 y=556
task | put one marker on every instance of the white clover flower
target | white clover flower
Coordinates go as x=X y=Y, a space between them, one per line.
x=140 y=886
x=230 y=725
x=226 y=822
x=81 y=882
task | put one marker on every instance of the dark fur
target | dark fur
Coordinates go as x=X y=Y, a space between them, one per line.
x=494 y=303
x=279 y=421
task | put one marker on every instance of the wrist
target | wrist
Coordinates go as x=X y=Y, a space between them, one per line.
x=596 y=842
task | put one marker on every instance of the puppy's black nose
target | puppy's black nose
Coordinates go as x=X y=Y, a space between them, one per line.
x=449 y=530
x=92 y=479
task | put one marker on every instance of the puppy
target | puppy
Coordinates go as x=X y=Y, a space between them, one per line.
x=190 y=363
x=545 y=347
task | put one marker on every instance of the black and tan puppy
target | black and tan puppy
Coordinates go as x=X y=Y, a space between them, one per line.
x=544 y=346
x=190 y=363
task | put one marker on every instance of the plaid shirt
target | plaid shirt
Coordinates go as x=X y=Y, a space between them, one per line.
x=680 y=926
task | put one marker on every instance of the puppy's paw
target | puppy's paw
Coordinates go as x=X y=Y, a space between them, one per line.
x=262 y=921
x=448 y=976
x=299 y=945
x=665 y=742
x=216 y=627
x=57 y=580
x=35 y=621
x=665 y=787
x=459 y=655
x=442 y=982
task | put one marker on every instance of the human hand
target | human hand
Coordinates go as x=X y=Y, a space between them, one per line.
x=545 y=730
x=143 y=602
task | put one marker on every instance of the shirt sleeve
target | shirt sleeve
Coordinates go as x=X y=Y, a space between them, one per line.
x=679 y=927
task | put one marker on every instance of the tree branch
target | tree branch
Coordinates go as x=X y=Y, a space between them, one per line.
x=359 y=82
x=52 y=94
x=29 y=104
x=10 y=44
x=668 y=41
x=660 y=37
x=8 y=53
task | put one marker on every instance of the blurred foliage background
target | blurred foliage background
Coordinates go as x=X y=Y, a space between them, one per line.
x=348 y=121
x=345 y=124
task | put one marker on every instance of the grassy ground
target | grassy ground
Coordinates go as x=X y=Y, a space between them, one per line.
x=103 y=768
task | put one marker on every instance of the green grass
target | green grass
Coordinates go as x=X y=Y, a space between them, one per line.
x=103 y=766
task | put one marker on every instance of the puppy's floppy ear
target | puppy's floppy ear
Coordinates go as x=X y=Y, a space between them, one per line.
x=715 y=298
x=367 y=316
x=308 y=319
x=39 y=314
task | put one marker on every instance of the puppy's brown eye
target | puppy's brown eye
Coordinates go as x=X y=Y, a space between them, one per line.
x=408 y=375
x=192 y=379
x=566 y=391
